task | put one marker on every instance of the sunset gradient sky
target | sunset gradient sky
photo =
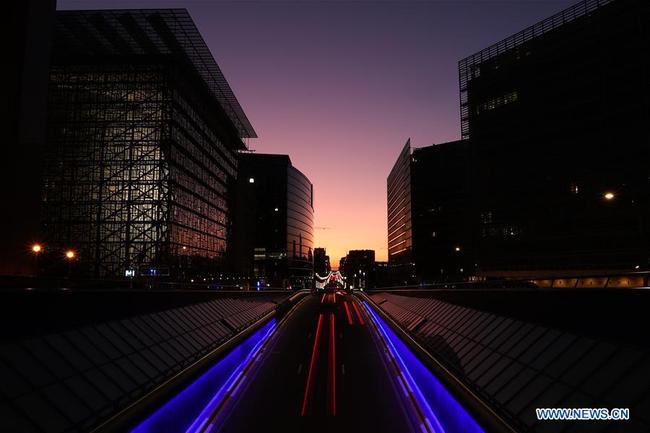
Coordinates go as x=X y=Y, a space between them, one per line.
x=341 y=85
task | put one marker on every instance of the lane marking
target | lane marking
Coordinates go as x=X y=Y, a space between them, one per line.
x=299 y=369
x=322 y=299
x=356 y=309
x=331 y=371
x=312 y=367
x=343 y=369
x=347 y=312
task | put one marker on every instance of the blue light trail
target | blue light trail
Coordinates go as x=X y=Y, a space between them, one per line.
x=189 y=410
x=442 y=411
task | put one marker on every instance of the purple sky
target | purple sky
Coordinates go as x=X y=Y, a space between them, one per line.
x=341 y=85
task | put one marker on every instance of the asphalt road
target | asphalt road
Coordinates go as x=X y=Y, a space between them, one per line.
x=313 y=380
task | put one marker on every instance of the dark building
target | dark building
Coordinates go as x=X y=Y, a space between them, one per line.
x=321 y=262
x=26 y=67
x=143 y=131
x=429 y=214
x=441 y=212
x=359 y=269
x=552 y=170
x=274 y=223
x=558 y=118
x=381 y=277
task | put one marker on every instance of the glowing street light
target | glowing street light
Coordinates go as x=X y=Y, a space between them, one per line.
x=37 y=249
x=609 y=196
x=70 y=254
x=457 y=249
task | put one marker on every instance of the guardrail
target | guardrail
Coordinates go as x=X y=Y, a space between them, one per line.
x=24 y=313
x=130 y=416
x=611 y=314
x=483 y=414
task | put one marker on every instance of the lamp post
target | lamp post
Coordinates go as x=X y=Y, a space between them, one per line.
x=37 y=249
x=69 y=257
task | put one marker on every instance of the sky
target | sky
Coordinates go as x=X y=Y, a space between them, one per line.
x=340 y=86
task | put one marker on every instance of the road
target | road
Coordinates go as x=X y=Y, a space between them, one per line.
x=314 y=380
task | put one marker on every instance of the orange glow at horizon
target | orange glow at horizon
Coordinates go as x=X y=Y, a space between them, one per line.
x=358 y=221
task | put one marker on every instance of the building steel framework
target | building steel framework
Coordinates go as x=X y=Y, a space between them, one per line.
x=138 y=163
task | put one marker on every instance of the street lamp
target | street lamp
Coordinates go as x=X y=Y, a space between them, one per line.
x=609 y=196
x=70 y=256
x=37 y=249
x=457 y=249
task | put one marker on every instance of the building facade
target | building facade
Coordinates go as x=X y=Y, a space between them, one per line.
x=143 y=131
x=400 y=239
x=551 y=172
x=321 y=262
x=441 y=212
x=557 y=118
x=359 y=269
x=274 y=224
x=430 y=215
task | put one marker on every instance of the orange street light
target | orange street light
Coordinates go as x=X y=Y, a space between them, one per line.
x=609 y=196
x=37 y=248
x=70 y=254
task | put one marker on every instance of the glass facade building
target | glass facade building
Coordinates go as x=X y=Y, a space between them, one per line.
x=274 y=223
x=143 y=132
x=400 y=243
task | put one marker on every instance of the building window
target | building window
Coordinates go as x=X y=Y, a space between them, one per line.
x=497 y=102
x=486 y=217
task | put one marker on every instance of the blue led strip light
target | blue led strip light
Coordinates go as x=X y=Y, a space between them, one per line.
x=442 y=412
x=190 y=409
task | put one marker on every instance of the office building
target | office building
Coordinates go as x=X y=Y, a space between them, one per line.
x=274 y=223
x=551 y=172
x=558 y=118
x=429 y=214
x=381 y=275
x=321 y=262
x=441 y=212
x=359 y=269
x=400 y=242
x=143 y=131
